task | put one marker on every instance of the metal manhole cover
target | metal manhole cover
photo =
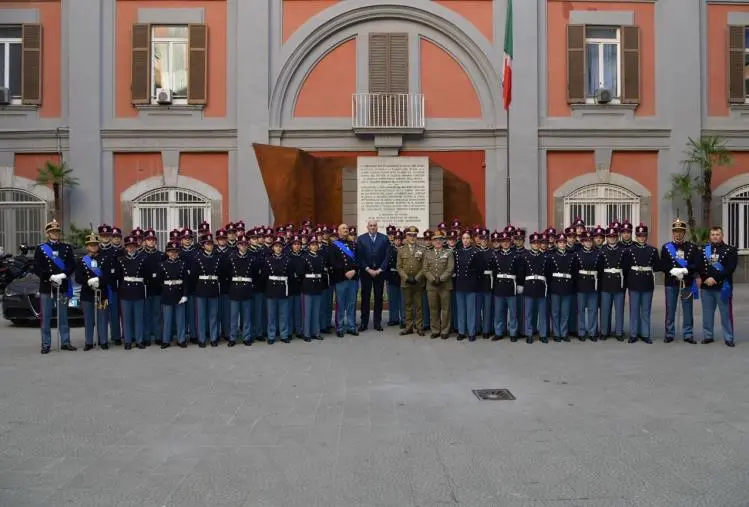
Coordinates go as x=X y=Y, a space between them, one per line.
x=493 y=394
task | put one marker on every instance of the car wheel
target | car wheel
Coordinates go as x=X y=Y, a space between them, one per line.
x=17 y=322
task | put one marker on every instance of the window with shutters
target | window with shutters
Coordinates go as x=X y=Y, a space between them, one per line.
x=169 y=61
x=602 y=62
x=11 y=56
x=746 y=64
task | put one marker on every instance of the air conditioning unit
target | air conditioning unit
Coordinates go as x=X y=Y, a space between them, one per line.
x=164 y=96
x=4 y=96
x=603 y=96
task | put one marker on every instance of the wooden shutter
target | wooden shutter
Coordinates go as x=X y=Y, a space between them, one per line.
x=378 y=62
x=31 y=64
x=140 y=77
x=736 y=49
x=398 y=63
x=630 y=65
x=576 y=64
x=197 y=88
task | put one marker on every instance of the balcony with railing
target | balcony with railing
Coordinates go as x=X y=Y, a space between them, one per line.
x=397 y=113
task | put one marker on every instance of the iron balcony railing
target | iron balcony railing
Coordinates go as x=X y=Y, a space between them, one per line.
x=387 y=111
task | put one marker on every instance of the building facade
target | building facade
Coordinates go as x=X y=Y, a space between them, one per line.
x=171 y=112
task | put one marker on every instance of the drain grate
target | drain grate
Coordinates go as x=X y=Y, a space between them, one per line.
x=493 y=394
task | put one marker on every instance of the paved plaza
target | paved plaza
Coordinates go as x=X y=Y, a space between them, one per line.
x=377 y=420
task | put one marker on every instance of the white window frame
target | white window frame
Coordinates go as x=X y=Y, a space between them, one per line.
x=616 y=97
x=739 y=240
x=172 y=207
x=6 y=42
x=169 y=40
x=30 y=201
x=600 y=201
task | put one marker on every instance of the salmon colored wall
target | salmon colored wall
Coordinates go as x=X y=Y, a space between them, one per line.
x=26 y=164
x=717 y=57
x=215 y=18
x=50 y=19
x=212 y=169
x=558 y=19
x=129 y=169
x=297 y=12
x=478 y=12
x=562 y=166
x=328 y=88
x=740 y=165
x=448 y=91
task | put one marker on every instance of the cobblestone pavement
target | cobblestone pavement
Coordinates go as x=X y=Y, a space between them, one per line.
x=377 y=420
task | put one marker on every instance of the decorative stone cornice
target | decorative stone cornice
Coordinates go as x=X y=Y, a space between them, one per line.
x=167 y=133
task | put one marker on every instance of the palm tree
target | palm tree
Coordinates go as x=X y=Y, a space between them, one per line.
x=684 y=187
x=58 y=176
x=704 y=155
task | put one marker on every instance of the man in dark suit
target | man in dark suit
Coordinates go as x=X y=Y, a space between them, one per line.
x=372 y=258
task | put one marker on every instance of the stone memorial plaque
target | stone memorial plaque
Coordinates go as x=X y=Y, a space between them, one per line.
x=392 y=190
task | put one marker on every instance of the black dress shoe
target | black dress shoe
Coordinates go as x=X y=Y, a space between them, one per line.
x=486 y=336
x=318 y=337
x=231 y=343
x=731 y=344
x=632 y=339
x=117 y=342
x=128 y=346
x=406 y=331
x=286 y=340
x=182 y=345
x=446 y=336
x=378 y=328
x=557 y=339
x=461 y=337
x=471 y=338
x=45 y=350
x=147 y=343
x=544 y=340
x=620 y=338
x=165 y=345
x=201 y=345
x=529 y=339
x=707 y=341
x=69 y=347
x=690 y=340
x=496 y=338
x=581 y=338
x=270 y=342
x=86 y=348
x=353 y=332
x=339 y=334
x=362 y=328
x=434 y=335
x=104 y=346
x=513 y=339
x=593 y=338
x=307 y=339
x=648 y=341
x=668 y=339
x=566 y=339
x=420 y=332
x=247 y=343
x=141 y=346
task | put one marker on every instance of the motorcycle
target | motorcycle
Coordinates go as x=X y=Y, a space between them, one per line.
x=13 y=267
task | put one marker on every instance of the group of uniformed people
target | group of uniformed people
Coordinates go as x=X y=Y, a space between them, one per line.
x=268 y=283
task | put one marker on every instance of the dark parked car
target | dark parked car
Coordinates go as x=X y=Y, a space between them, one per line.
x=21 y=301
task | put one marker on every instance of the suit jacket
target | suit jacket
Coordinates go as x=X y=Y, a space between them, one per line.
x=372 y=255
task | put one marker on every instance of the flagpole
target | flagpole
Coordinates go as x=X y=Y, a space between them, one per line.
x=509 y=192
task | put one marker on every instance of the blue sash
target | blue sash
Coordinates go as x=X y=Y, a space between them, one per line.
x=671 y=249
x=47 y=250
x=726 y=290
x=97 y=271
x=345 y=249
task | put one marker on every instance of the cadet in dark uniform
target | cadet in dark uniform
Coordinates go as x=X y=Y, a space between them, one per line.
x=239 y=269
x=586 y=286
x=152 y=305
x=53 y=264
x=505 y=288
x=259 y=310
x=276 y=272
x=626 y=231
x=612 y=285
x=188 y=253
x=395 y=301
x=224 y=302
x=296 y=274
x=453 y=238
x=205 y=271
x=467 y=270
x=131 y=273
x=173 y=276
x=313 y=286
x=640 y=264
x=573 y=245
x=532 y=285
x=94 y=293
x=716 y=274
x=108 y=251
x=579 y=225
x=326 y=303
x=231 y=236
x=561 y=268
x=484 y=292
x=599 y=237
x=680 y=261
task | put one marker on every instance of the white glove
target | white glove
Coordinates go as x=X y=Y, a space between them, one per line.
x=684 y=271
x=94 y=283
x=57 y=279
x=675 y=272
x=520 y=289
x=183 y=300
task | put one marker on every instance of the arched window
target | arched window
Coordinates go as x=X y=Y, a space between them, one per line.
x=22 y=219
x=169 y=208
x=601 y=204
x=736 y=218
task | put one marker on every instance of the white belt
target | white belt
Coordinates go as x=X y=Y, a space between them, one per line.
x=592 y=273
x=616 y=271
x=312 y=275
x=642 y=269
x=540 y=278
x=491 y=279
x=562 y=275
x=207 y=277
x=488 y=272
x=509 y=277
x=132 y=279
x=172 y=282
x=394 y=270
x=284 y=279
x=241 y=279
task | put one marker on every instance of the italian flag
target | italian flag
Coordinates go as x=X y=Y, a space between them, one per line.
x=507 y=75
